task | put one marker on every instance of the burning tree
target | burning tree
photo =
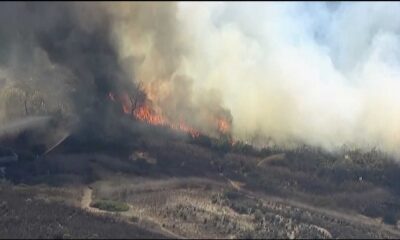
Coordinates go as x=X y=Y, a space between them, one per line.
x=140 y=108
x=137 y=98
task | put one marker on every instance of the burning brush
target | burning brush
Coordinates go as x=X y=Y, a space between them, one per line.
x=142 y=110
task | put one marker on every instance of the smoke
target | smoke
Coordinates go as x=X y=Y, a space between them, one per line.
x=72 y=55
x=58 y=59
x=153 y=48
x=324 y=74
x=22 y=124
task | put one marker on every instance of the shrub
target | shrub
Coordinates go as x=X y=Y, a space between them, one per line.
x=111 y=206
x=258 y=215
x=221 y=145
x=244 y=148
x=134 y=219
x=232 y=194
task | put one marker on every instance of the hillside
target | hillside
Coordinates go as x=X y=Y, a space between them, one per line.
x=177 y=187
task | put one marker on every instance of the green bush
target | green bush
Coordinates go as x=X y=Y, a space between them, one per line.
x=111 y=206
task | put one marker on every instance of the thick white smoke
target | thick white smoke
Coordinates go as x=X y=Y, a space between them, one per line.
x=324 y=73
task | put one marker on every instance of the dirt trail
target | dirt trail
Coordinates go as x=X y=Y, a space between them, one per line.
x=275 y=157
x=132 y=213
x=268 y=200
x=355 y=218
x=235 y=184
x=323 y=231
x=87 y=199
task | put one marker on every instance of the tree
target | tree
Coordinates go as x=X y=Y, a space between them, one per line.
x=137 y=98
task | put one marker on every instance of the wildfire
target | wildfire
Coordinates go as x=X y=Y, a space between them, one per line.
x=145 y=114
x=183 y=127
x=223 y=126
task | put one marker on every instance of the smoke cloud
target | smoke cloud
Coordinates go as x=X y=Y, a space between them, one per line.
x=325 y=74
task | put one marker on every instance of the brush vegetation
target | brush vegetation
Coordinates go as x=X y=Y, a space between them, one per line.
x=109 y=205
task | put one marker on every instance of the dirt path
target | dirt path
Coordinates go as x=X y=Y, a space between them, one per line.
x=275 y=157
x=237 y=185
x=132 y=213
x=87 y=199
x=323 y=231
x=268 y=200
x=355 y=218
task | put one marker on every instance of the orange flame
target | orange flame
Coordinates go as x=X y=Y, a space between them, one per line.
x=223 y=126
x=145 y=114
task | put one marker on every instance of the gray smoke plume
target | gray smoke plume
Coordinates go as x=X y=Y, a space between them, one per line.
x=59 y=59
x=70 y=56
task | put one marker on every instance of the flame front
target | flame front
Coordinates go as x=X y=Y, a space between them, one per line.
x=145 y=114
